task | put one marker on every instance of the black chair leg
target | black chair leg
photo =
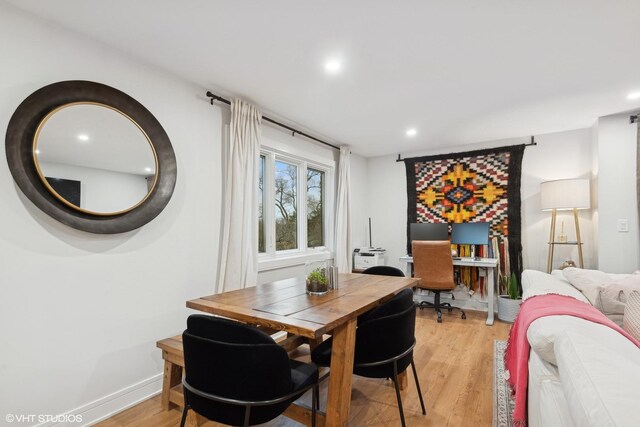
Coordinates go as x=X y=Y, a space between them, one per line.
x=439 y=315
x=247 y=415
x=397 y=385
x=415 y=377
x=315 y=404
x=184 y=415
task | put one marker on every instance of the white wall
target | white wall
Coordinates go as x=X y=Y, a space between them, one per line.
x=80 y=313
x=616 y=181
x=359 y=202
x=101 y=190
x=557 y=155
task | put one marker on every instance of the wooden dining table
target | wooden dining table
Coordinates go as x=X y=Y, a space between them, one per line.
x=285 y=306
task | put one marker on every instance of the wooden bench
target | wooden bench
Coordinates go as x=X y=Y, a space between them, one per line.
x=173 y=356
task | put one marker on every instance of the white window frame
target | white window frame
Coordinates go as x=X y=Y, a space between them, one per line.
x=272 y=259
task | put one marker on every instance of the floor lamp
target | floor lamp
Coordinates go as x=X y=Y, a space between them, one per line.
x=559 y=195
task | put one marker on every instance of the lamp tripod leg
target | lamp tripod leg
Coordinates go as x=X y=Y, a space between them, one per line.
x=579 y=240
x=552 y=233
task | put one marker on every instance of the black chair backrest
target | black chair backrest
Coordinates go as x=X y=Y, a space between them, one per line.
x=232 y=360
x=384 y=270
x=388 y=332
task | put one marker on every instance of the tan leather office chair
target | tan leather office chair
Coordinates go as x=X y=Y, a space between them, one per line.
x=433 y=264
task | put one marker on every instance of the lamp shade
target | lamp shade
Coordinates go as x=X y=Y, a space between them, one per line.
x=564 y=194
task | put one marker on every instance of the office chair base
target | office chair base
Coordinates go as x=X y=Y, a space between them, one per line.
x=440 y=307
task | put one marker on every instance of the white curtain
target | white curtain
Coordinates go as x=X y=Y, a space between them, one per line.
x=239 y=252
x=343 y=213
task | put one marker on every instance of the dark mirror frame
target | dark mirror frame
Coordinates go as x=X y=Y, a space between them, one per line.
x=19 y=149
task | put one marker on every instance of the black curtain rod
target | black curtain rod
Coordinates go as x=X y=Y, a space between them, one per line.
x=282 y=125
x=634 y=118
x=528 y=144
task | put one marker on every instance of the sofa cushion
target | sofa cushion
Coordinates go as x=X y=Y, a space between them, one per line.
x=631 y=321
x=612 y=296
x=587 y=281
x=546 y=404
x=538 y=283
x=599 y=381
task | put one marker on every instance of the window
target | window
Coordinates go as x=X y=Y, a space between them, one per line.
x=294 y=200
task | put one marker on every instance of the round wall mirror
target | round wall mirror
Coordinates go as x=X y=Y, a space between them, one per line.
x=94 y=158
x=91 y=157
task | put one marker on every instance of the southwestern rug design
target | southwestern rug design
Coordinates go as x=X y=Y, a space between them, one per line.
x=476 y=186
x=502 y=402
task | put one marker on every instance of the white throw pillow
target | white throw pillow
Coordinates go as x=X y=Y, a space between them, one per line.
x=612 y=297
x=631 y=322
x=558 y=275
x=586 y=281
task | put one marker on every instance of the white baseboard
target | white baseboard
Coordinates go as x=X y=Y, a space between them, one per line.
x=109 y=405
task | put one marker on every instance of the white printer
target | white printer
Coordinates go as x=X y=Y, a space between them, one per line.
x=364 y=258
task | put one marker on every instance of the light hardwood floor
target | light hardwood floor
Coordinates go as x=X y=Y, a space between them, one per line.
x=454 y=360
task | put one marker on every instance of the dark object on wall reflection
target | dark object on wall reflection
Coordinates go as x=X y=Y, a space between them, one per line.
x=67 y=188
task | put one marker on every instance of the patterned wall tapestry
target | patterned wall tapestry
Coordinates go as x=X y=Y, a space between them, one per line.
x=476 y=186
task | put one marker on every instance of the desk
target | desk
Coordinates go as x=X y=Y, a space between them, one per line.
x=490 y=264
x=284 y=305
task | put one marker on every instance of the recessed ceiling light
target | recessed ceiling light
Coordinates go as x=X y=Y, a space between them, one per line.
x=634 y=95
x=37 y=151
x=332 y=66
x=147 y=169
x=83 y=137
x=411 y=132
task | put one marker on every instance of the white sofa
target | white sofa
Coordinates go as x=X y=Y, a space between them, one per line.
x=580 y=373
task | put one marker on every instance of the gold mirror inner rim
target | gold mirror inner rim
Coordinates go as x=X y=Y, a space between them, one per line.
x=65 y=201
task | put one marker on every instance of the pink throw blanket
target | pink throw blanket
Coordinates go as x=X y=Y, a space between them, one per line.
x=516 y=356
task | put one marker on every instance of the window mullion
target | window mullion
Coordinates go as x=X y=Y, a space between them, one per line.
x=270 y=220
x=329 y=208
x=302 y=207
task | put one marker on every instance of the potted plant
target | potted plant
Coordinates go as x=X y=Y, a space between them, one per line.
x=509 y=304
x=316 y=278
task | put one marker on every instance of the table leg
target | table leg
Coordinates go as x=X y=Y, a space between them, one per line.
x=403 y=380
x=339 y=398
x=195 y=420
x=491 y=286
x=407 y=267
x=314 y=342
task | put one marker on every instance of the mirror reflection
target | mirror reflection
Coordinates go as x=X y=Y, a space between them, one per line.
x=94 y=158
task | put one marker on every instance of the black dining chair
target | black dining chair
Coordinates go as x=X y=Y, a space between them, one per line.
x=236 y=374
x=384 y=344
x=384 y=270
x=379 y=270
